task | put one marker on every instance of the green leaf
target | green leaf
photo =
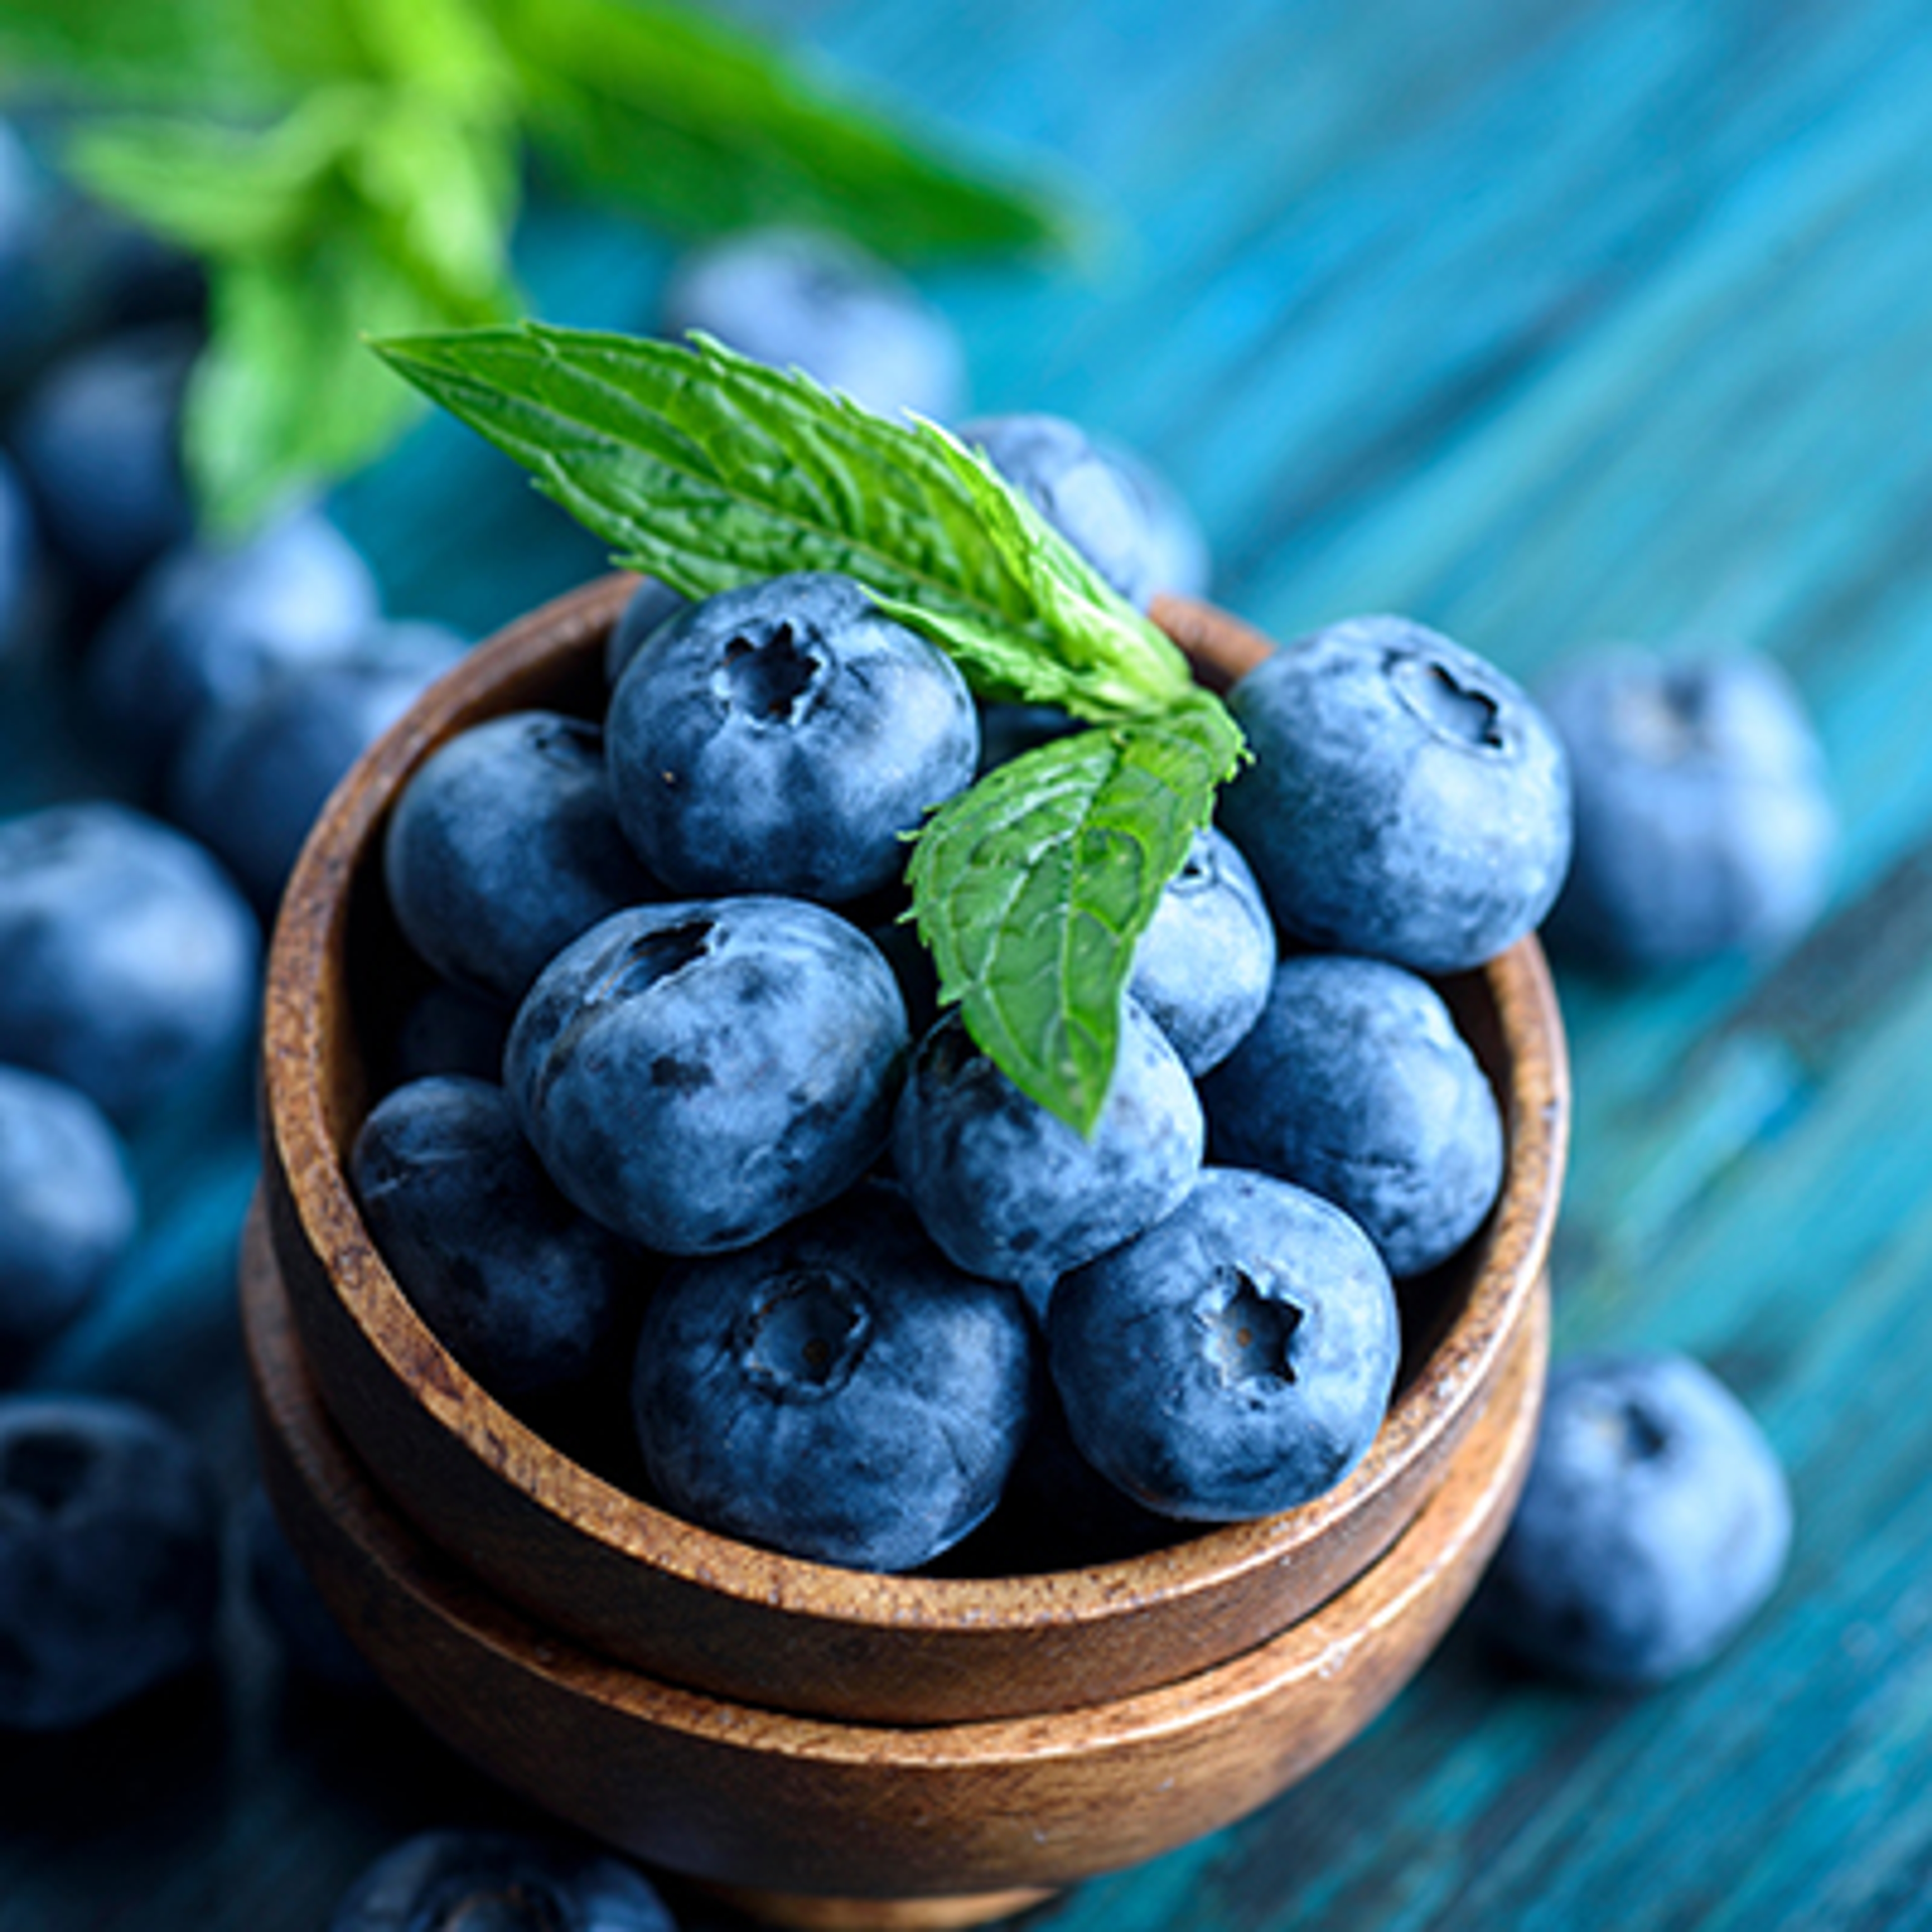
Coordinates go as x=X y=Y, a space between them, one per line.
x=698 y=124
x=282 y=398
x=215 y=190
x=1032 y=889
x=147 y=53
x=710 y=470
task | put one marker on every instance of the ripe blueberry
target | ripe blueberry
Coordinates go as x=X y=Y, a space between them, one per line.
x=839 y=1391
x=783 y=738
x=129 y=965
x=1655 y=1520
x=1355 y=1084
x=796 y=299
x=504 y=847
x=1235 y=1360
x=524 y=1290
x=1703 y=824
x=1009 y=1191
x=695 y=1075
x=1406 y=800
x=110 y=1557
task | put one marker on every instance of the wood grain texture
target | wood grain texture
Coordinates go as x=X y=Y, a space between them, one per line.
x=766 y=1801
x=1546 y=321
x=584 y=1556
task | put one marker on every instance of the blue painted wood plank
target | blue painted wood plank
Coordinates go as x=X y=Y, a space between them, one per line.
x=1548 y=319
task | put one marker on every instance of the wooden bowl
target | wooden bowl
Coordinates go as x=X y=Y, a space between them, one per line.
x=813 y=1822
x=758 y=1720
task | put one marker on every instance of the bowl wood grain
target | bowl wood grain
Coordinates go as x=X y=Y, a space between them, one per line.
x=814 y=1823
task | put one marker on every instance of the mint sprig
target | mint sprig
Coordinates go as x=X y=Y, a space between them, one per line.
x=1031 y=890
x=711 y=471
x=342 y=165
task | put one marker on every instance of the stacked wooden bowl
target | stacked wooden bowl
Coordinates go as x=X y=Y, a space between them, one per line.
x=836 y=1748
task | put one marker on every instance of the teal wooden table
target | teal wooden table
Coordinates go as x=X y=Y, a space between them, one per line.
x=1546 y=321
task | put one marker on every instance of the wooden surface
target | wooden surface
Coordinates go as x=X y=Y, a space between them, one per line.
x=1546 y=320
x=783 y=1804
x=563 y=1536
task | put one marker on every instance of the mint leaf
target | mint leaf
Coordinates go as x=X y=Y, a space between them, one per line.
x=694 y=122
x=1032 y=889
x=189 y=53
x=710 y=470
x=350 y=212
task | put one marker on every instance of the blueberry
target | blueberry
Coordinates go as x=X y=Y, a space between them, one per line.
x=651 y=604
x=498 y=1881
x=1355 y=1084
x=1058 y=1512
x=1236 y=1359
x=208 y=626
x=129 y=965
x=110 y=1558
x=695 y=1075
x=446 y=1029
x=817 y=302
x=1177 y=546
x=98 y=440
x=251 y=779
x=1127 y=521
x=1009 y=1191
x=837 y=1391
x=1703 y=822
x=1009 y=731
x=783 y=738
x=1406 y=800
x=1655 y=1520
x=1203 y=966
x=311 y=1638
x=505 y=847
x=68 y=1208
x=524 y=1290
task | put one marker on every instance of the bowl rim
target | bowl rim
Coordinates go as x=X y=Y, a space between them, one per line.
x=308 y=988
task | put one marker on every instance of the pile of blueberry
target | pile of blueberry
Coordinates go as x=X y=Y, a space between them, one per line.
x=867 y=1282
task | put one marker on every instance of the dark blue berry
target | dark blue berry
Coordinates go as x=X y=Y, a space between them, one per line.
x=651 y=604
x=1125 y=521
x=1656 y=1519
x=448 y=1030
x=1236 y=1359
x=97 y=439
x=504 y=847
x=1704 y=824
x=524 y=1290
x=1355 y=1084
x=695 y=1075
x=208 y=625
x=1203 y=966
x=1406 y=800
x=815 y=301
x=129 y=965
x=784 y=738
x=68 y=1208
x=839 y=1391
x=252 y=779
x=110 y=1558
x=1010 y=1191
x=498 y=1881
